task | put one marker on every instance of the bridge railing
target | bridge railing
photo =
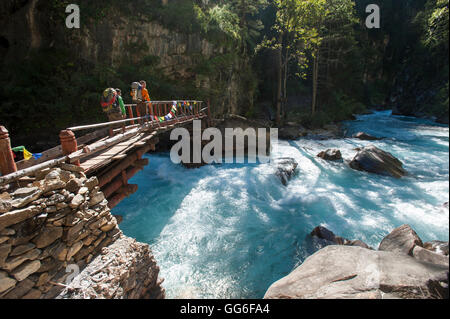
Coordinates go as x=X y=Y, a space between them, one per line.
x=153 y=109
x=70 y=149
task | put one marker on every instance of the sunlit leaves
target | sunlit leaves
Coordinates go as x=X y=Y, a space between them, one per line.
x=438 y=24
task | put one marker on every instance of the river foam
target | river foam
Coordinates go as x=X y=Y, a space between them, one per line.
x=230 y=231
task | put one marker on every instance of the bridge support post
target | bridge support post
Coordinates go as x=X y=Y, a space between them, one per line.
x=68 y=143
x=7 y=163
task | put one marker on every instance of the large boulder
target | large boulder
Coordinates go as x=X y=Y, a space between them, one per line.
x=323 y=233
x=373 y=160
x=337 y=272
x=325 y=237
x=285 y=169
x=428 y=256
x=437 y=246
x=366 y=137
x=330 y=155
x=401 y=240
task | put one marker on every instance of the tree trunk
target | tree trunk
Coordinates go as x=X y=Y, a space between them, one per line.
x=279 y=80
x=286 y=65
x=315 y=83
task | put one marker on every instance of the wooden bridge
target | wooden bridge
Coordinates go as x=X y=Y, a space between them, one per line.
x=112 y=151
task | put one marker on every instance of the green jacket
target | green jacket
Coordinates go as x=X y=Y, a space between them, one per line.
x=122 y=105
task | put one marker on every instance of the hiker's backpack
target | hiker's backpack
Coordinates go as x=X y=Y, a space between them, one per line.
x=136 y=91
x=109 y=100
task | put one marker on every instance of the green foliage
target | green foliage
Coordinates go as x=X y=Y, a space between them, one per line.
x=406 y=59
x=178 y=15
x=297 y=27
x=231 y=23
x=343 y=107
x=437 y=26
x=440 y=107
x=225 y=20
x=318 y=120
x=215 y=64
x=340 y=107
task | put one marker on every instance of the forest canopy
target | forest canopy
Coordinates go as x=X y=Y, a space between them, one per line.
x=309 y=61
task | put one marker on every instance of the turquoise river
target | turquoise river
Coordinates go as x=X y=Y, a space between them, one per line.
x=231 y=230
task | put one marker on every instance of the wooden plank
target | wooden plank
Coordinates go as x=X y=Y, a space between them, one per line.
x=101 y=145
x=119 y=157
x=113 y=153
x=138 y=142
x=96 y=167
x=123 y=144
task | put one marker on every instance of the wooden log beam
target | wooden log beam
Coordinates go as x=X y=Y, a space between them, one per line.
x=112 y=173
x=123 y=165
x=115 y=200
x=31 y=170
x=143 y=150
x=133 y=171
x=128 y=189
x=120 y=182
x=112 y=187
x=141 y=162
x=121 y=195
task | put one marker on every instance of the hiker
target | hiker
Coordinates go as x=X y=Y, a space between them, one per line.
x=142 y=106
x=121 y=104
x=112 y=105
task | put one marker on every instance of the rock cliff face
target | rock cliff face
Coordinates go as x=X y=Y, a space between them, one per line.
x=27 y=27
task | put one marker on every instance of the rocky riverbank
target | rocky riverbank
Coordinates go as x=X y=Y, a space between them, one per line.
x=402 y=267
x=293 y=131
x=124 y=270
x=59 y=224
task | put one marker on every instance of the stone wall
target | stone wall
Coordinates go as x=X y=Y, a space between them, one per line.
x=61 y=219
